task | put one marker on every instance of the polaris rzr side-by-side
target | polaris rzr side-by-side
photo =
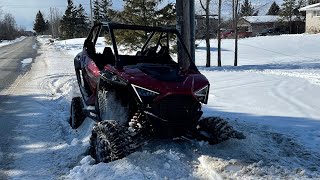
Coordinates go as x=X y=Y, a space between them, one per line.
x=138 y=96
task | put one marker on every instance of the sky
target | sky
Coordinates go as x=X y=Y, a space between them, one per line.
x=25 y=11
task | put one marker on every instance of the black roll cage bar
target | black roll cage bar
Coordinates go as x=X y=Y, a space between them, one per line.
x=109 y=27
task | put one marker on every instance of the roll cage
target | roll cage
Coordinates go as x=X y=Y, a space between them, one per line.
x=109 y=28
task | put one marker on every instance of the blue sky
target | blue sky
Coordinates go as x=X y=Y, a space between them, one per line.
x=25 y=11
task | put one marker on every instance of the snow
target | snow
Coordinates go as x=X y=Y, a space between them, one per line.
x=311 y=7
x=25 y=62
x=262 y=19
x=272 y=97
x=7 y=42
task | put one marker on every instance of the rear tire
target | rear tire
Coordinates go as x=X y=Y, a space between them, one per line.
x=105 y=142
x=76 y=114
x=217 y=130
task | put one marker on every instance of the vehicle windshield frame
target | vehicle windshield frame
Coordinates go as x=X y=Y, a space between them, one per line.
x=110 y=27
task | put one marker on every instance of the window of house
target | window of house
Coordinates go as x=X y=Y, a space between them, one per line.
x=316 y=13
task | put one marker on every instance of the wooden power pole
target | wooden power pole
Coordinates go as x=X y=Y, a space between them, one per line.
x=236 y=5
x=91 y=16
x=185 y=25
x=219 y=32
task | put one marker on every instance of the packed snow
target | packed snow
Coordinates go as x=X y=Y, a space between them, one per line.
x=272 y=97
x=8 y=42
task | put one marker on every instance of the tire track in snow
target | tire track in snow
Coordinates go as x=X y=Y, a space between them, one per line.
x=55 y=85
x=279 y=91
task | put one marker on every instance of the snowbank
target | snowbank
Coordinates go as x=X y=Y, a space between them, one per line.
x=7 y=42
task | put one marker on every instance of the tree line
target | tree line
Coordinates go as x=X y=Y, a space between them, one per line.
x=75 y=22
x=8 y=27
x=286 y=8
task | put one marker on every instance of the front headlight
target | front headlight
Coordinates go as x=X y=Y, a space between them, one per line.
x=144 y=95
x=202 y=94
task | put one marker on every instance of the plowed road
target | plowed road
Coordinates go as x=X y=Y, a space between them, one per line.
x=10 y=69
x=11 y=57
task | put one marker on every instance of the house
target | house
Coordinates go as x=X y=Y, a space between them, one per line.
x=312 y=18
x=201 y=26
x=256 y=24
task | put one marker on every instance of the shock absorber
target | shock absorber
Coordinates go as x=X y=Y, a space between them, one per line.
x=135 y=123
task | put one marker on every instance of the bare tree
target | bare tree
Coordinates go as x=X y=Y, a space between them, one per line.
x=55 y=18
x=0 y=12
x=207 y=10
x=8 y=27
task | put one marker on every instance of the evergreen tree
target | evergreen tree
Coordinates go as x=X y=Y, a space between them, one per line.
x=287 y=12
x=274 y=9
x=82 y=22
x=300 y=4
x=47 y=25
x=97 y=11
x=246 y=8
x=102 y=10
x=68 y=22
x=106 y=11
x=139 y=12
x=40 y=25
x=146 y=13
x=166 y=15
x=313 y=1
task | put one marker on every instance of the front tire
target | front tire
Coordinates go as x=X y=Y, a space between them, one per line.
x=105 y=142
x=76 y=114
x=216 y=130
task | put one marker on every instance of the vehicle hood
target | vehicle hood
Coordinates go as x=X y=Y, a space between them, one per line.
x=165 y=79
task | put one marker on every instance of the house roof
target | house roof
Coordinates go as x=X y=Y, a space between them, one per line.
x=261 y=19
x=269 y=19
x=311 y=7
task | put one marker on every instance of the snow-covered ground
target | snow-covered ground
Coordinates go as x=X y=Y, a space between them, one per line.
x=272 y=97
x=6 y=42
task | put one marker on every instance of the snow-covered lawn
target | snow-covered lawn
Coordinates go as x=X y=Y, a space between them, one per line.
x=272 y=97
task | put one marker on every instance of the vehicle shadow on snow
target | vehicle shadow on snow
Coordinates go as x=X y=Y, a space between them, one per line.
x=212 y=49
x=38 y=139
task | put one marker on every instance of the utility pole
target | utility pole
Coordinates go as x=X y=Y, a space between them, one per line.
x=91 y=13
x=192 y=31
x=51 y=19
x=236 y=5
x=185 y=25
x=219 y=33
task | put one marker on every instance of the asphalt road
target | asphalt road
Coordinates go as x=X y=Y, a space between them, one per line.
x=10 y=60
x=10 y=69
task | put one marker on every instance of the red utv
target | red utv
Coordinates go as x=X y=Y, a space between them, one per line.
x=136 y=97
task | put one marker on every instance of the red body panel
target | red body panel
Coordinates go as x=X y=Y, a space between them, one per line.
x=93 y=74
x=192 y=83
